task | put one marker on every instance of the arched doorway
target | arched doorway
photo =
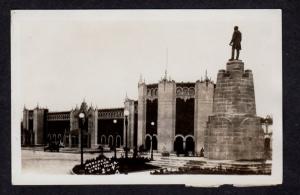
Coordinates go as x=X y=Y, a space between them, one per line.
x=103 y=140
x=110 y=141
x=190 y=145
x=178 y=145
x=154 y=143
x=148 y=143
x=118 y=141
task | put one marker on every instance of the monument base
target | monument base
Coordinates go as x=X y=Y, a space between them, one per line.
x=234 y=137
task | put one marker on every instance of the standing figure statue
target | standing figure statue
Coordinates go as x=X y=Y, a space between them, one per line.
x=236 y=43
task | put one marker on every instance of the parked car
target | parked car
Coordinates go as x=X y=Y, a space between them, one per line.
x=52 y=147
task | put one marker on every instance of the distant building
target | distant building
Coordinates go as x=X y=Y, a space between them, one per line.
x=180 y=117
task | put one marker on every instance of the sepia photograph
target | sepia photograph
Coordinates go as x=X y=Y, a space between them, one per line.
x=188 y=97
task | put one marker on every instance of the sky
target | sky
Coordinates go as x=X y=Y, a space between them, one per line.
x=60 y=58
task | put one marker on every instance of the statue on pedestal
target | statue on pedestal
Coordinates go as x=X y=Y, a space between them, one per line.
x=236 y=43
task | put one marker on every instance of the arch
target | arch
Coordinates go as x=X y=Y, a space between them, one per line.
x=179 y=135
x=189 y=144
x=110 y=141
x=185 y=91
x=147 y=135
x=243 y=121
x=178 y=91
x=103 y=139
x=152 y=92
x=191 y=91
x=118 y=141
x=178 y=144
x=189 y=136
x=148 y=142
x=155 y=92
x=228 y=120
x=54 y=137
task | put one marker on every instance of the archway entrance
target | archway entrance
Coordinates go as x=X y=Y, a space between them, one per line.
x=118 y=142
x=178 y=145
x=110 y=141
x=103 y=140
x=148 y=143
x=190 y=145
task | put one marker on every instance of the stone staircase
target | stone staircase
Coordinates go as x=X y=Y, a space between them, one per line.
x=169 y=162
x=238 y=166
x=196 y=163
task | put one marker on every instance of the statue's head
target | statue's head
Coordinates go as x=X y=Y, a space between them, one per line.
x=236 y=28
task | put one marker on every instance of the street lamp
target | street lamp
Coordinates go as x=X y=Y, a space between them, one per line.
x=126 y=114
x=115 y=148
x=81 y=116
x=152 y=129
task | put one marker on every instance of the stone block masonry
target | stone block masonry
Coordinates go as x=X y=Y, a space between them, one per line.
x=234 y=131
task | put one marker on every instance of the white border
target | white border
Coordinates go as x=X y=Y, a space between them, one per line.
x=195 y=180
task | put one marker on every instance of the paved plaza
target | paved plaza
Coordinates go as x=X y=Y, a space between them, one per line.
x=35 y=160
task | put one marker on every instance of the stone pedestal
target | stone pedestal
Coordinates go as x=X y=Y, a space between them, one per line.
x=234 y=131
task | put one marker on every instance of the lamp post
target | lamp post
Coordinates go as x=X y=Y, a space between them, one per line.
x=81 y=116
x=115 y=133
x=126 y=114
x=152 y=129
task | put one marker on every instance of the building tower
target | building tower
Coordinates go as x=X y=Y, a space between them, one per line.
x=142 y=92
x=204 y=92
x=233 y=130
x=166 y=114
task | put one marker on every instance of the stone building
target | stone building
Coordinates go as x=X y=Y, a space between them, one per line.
x=175 y=114
x=176 y=117
x=102 y=127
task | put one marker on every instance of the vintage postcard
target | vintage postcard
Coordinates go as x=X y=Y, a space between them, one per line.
x=188 y=97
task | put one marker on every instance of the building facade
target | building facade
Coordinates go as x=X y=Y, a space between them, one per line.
x=199 y=118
